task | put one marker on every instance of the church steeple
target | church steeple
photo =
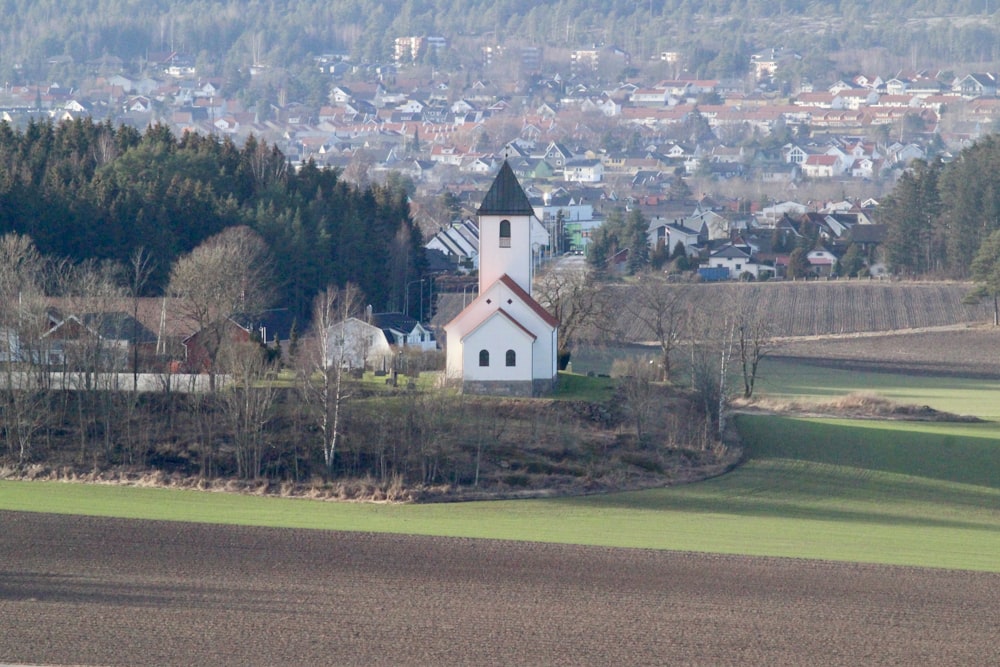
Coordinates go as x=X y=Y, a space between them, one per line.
x=506 y=197
x=505 y=232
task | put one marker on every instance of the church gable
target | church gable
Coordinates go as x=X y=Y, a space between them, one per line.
x=507 y=295
x=526 y=298
x=511 y=325
x=500 y=349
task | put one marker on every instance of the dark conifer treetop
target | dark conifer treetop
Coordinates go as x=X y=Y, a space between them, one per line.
x=83 y=190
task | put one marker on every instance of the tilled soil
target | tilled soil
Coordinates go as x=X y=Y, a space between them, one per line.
x=77 y=590
x=972 y=352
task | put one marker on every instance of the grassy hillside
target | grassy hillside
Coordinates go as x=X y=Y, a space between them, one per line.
x=911 y=493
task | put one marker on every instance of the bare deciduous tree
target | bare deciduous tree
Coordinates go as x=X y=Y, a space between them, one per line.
x=752 y=333
x=141 y=266
x=635 y=384
x=22 y=317
x=325 y=361
x=359 y=168
x=706 y=338
x=93 y=347
x=658 y=309
x=247 y=401
x=229 y=274
x=573 y=298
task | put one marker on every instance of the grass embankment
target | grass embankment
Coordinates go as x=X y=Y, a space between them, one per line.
x=908 y=493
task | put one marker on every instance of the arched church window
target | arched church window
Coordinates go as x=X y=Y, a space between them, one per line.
x=505 y=233
x=511 y=358
x=484 y=357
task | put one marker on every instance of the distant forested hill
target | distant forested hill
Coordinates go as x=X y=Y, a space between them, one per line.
x=715 y=35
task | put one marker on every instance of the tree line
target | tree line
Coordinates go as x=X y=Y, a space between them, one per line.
x=91 y=191
x=939 y=214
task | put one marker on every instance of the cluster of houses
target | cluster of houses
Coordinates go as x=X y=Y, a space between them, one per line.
x=733 y=240
x=503 y=341
x=154 y=335
x=549 y=140
x=437 y=131
x=759 y=247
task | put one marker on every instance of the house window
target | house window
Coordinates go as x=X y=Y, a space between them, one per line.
x=511 y=358
x=505 y=233
x=484 y=357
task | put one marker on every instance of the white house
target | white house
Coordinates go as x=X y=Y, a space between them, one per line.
x=672 y=233
x=584 y=171
x=822 y=261
x=355 y=343
x=822 y=166
x=402 y=331
x=739 y=261
x=504 y=342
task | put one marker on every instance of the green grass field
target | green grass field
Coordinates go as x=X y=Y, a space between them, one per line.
x=906 y=493
x=964 y=396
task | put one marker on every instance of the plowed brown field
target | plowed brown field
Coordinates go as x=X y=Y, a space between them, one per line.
x=76 y=590
x=972 y=352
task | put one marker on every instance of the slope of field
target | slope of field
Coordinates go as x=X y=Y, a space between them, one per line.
x=822 y=307
x=972 y=353
x=102 y=591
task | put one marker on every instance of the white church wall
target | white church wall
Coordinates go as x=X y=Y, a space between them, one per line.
x=498 y=335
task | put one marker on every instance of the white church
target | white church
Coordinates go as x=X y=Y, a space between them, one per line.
x=504 y=342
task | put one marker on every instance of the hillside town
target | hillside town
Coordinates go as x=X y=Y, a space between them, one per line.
x=708 y=162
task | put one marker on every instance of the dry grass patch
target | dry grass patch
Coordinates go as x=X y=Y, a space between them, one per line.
x=858 y=404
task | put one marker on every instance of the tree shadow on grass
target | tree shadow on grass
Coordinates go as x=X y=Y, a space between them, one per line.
x=846 y=471
x=914 y=451
x=820 y=492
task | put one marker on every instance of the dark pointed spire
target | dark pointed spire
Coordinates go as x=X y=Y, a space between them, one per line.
x=506 y=197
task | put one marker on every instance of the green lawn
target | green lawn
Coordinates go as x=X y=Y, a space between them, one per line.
x=902 y=492
x=578 y=387
x=964 y=396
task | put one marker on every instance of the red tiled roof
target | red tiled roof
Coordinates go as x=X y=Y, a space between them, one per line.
x=546 y=316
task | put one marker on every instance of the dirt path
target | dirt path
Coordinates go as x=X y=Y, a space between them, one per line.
x=77 y=590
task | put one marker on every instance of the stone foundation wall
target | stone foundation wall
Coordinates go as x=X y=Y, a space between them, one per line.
x=525 y=389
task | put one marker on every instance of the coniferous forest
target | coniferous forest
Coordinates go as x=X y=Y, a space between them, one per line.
x=88 y=191
x=940 y=214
